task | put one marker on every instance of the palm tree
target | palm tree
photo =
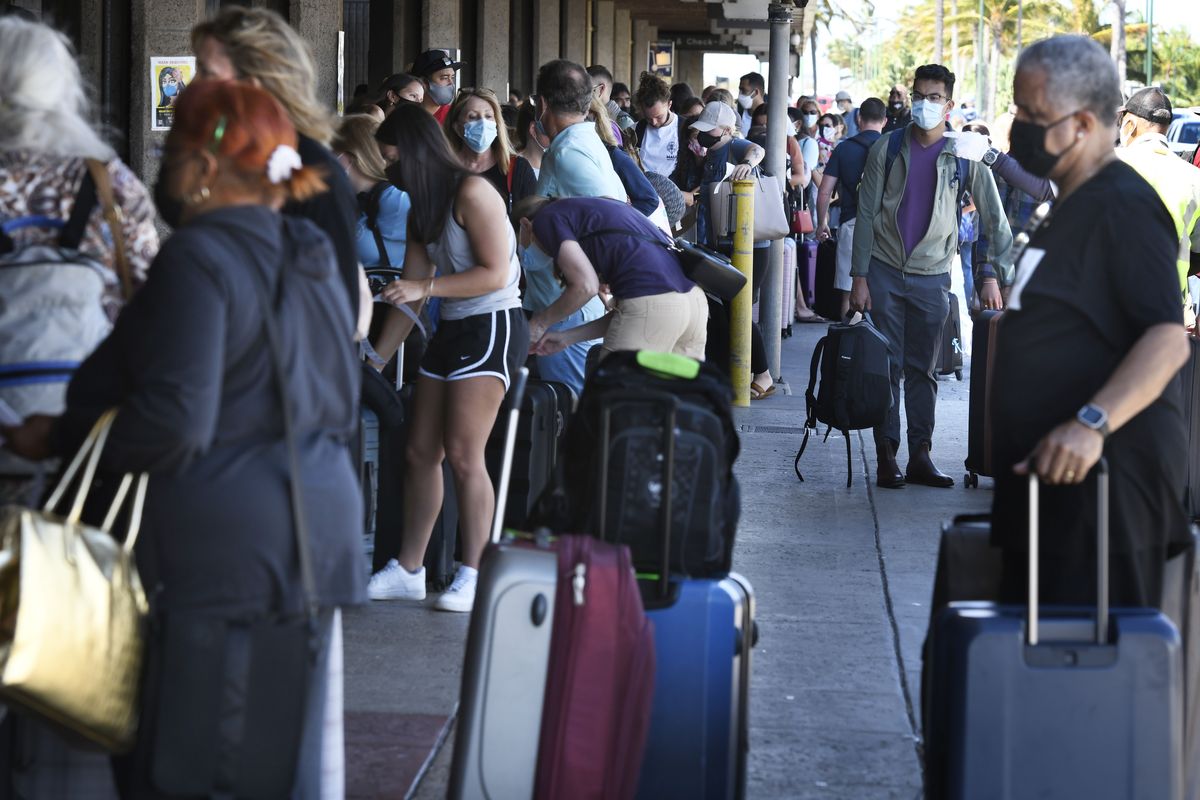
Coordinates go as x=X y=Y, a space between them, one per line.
x=1118 y=38
x=939 y=36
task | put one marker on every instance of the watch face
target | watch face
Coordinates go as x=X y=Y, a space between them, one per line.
x=1091 y=416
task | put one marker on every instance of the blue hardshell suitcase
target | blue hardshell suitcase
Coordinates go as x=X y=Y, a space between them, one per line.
x=1068 y=703
x=704 y=632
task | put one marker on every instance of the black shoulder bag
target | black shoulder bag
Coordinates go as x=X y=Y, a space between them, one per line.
x=232 y=693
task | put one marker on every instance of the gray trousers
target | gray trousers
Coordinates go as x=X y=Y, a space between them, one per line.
x=910 y=310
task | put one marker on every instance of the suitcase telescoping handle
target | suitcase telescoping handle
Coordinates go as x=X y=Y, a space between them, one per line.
x=516 y=395
x=1101 y=555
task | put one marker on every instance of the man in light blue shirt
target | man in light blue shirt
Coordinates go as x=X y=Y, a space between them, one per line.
x=577 y=164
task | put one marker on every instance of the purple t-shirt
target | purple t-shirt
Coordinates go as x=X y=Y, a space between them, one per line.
x=628 y=263
x=916 y=209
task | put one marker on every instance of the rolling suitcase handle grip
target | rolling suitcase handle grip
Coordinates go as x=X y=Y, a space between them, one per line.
x=1101 y=555
x=516 y=395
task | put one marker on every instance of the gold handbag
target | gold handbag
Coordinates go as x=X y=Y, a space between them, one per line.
x=71 y=609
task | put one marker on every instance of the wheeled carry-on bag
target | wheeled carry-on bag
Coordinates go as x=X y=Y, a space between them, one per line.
x=787 y=297
x=827 y=300
x=950 y=359
x=979 y=403
x=556 y=682
x=1057 y=702
x=1189 y=376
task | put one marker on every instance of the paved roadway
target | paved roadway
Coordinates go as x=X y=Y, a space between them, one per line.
x=843 y=579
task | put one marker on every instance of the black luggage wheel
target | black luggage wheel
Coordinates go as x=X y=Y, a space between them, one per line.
x=958 y=374
x=971 y=480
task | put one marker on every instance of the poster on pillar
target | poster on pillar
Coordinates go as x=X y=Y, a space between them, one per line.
x=169 y=76
x=662 y=59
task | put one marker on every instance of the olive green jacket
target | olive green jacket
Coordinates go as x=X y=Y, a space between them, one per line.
x=877 y=233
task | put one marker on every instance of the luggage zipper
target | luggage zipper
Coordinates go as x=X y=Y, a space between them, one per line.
x=579 y=582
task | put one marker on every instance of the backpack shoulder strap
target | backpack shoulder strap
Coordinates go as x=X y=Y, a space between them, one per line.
x=894 y=143
x=72 y=233
x=371 y=209
x=512 y=168
x=810 y=402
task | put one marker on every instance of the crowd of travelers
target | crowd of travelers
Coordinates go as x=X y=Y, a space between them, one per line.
x=539 y=231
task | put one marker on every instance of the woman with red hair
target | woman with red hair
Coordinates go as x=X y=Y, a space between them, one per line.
x=239 y=294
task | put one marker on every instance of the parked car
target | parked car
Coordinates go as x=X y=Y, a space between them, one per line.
x=1184 y=135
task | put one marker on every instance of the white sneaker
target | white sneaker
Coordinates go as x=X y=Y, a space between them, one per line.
x=394 y=582
x=461 y=594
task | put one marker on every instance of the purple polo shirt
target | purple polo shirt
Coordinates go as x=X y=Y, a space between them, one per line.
x=916 y=208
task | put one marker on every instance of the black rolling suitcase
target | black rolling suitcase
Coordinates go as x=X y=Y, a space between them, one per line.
x=979 y=412
x=544 y=412
x=950 y=361
x=1189 y=376
x=827 y=300
x=1056 y=702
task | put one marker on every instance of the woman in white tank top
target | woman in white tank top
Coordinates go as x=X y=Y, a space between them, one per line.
x=458 y=221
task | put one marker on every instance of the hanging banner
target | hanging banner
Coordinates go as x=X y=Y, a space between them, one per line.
x=169 y=76
x=662 y=59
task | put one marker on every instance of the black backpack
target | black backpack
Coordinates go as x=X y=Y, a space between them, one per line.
x=856 y=389
x=620 y=442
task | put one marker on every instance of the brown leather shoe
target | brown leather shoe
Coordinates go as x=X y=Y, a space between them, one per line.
x=888 y=476
x=921 y=469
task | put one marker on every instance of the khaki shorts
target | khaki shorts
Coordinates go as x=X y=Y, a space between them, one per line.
x=669 y=323
x=845 y=250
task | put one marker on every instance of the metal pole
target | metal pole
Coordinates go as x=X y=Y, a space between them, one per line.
x=770 y=300
x=743 y=304
x=1149 y=42
x=980 y=58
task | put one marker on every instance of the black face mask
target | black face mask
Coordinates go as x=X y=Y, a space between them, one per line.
x=169 y=208
x=707 y=139
x=1027 y=144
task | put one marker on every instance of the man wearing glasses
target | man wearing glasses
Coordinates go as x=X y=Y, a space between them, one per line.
x=905 y=240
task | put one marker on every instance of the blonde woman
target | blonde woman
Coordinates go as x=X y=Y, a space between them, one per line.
x=475 y=127
x=257 y=45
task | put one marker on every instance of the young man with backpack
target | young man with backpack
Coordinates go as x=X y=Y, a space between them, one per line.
x=905 y=239
x=844 y=173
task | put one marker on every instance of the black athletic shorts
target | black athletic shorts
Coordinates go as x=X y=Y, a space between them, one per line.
x=495 y=344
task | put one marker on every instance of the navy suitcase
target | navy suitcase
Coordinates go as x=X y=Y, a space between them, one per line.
x=950 y=361
x=704 y=632
x=1083 y=703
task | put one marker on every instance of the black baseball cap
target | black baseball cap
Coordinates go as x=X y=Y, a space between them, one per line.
x=431 y=61
x=1150 y=104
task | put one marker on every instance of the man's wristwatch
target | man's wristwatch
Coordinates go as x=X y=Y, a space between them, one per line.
x=1095 y=418
x=989 y=158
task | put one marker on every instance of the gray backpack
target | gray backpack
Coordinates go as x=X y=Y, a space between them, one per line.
x=51 y=308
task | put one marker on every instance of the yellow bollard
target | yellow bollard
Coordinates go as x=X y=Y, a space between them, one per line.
x=741 y=313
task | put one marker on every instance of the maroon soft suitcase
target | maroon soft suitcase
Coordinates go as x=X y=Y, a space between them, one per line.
x=600 y=678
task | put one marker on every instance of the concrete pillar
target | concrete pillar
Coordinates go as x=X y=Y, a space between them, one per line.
x=493 y=50
x=319 y=22
x=158 y=28
x=640 y=57
x=547 y=21
x=602 y=33
x=439 y=25
x=91 y=40
x=622 y=47
x=574 y=31
x=689 y=69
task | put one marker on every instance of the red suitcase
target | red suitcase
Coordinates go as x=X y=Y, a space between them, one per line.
x=600 y=679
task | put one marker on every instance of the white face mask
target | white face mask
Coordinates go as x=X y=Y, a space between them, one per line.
x=827 y=133
x=928 y=115
x=744 y=100
x=810 y=120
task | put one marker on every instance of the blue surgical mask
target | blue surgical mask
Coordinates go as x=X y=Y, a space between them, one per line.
x=928 y=115
x=479 y=134
x=536 y=260
x=170 y=89
x=541 y=129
